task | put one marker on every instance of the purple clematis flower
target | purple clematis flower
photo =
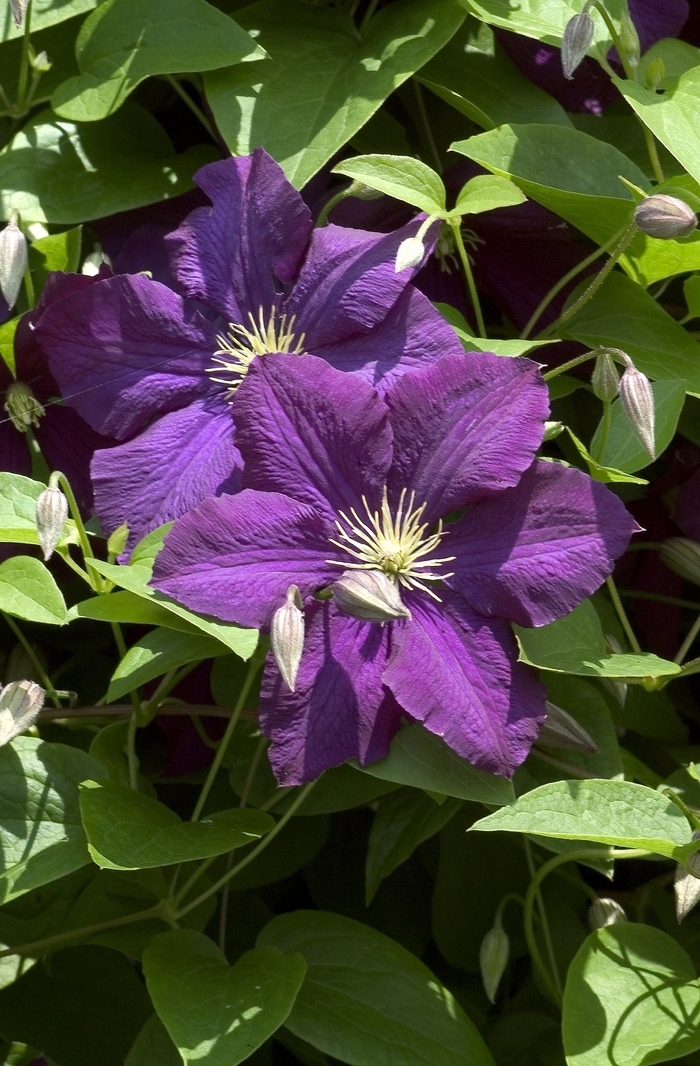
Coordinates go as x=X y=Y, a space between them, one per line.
x=338 y=478
x=158 y=370
x=687 y=510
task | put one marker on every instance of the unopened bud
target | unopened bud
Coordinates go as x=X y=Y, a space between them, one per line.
x=20 y=704
x=655 y=73
x=493 y=959
x=93 y=261
x=637 y=401
x=19 y=10
x=287 y=637
x=118 y=540
x=682 y=555
x=51 y=515
x=409 y=254
x=13 y=259
x=552 y=430
x=629 y=38
x=605 y=912
x=686 y=884
x=560 y=730
x=364 y=192
x=40 y=63
x=22 y=406
x=576 y=42
x=604 y=379
x=665 y=217
x=368 y=595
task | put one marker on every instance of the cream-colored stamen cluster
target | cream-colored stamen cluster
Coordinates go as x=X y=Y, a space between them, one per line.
x=22 y=406
x=240 y=346
x=396 y=545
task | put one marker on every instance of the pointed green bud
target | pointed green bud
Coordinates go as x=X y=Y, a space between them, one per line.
x=493 y=959
x=368 y=595
x=287 y=637
x=19 y=10
x=682 y=555
x=118 y=539
x=686 y=884
x=605 y=381
x=560 y=730
x=409 y=254
x=552 y=430
x=576 y=42
x=629 y=38
x=40 y=63
x=51 y=515
x=13 y=259
x=655 y=73
x=22 y=406
x=605 y=912
x=665 y=217
x=637 y=401
x=363 y=192
x=20 y=704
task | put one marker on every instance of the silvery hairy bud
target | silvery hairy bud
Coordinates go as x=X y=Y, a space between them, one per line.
x=368 y=595
x=287 y=637
x=637 y=401
x=665 y=217
x=655 y=73
x=493 y=959
x=617 y=688
x=576 y=42
x=682 y=555
x=19 y=10
x=605 y=912
x=51 y=515
x=560 y=730
x=13 y=259
x=20 y=704
x=686 y=885
x=409 y=254
x=118 y=540
x=364 y=192
x=605 y=381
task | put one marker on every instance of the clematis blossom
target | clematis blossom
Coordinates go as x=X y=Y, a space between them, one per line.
x=435 y=485
x=159 y=369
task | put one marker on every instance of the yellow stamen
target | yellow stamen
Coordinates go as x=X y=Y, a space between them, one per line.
x=240 y=346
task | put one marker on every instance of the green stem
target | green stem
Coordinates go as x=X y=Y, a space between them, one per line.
x=424 y=126
x=692 y=667
x=552 y=981
x=187 y=99
x=137 y=714
x=606 y=423
x=622 y=615
x=658 y=597
x=511 y=897
x=569 y=365
x=131 y=756
x=688 y=642
x=59 y=478
x=76 y=934
x=36 y=662
x=169 y=681
x=471 y=287
x=328 y=207
x=24 y=62
x=29 y=288
x=368 y=16
x=652 y=150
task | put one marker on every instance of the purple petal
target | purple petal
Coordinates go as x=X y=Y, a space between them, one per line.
x=464 y=428
x=125 y=350
x=14 y=451
x=234 y=557
x=68 y=443
x=234 y=254
x=167 y=470
x=591 y=89
x=457 y=672
x=535 y=551
x=655 y=20
x=308 y=430
x=340 y=709
x=687 y=511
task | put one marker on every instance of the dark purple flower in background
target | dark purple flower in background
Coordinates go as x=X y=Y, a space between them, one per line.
x=687 y=510
x=338 y=477
x=158 y=370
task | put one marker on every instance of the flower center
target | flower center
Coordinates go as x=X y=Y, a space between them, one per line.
x=22 y=406
x=239 y=346
x=395 y=544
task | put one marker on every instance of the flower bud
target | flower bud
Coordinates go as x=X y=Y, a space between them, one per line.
x=576 y=42
x=493 y=959
x=368 y=595
x=655 y=73
x=20 y=704
x=605 y=912
x=629 y=38
x=40 y=63
x=13 y=259
x=287 y=637
x=51 y=515
x=686 y=884
x=364 y=192
x=19 y=10
x=118 y=539
x=552 y=430
x=637 y=401
x=560 y=730
x=22 y=406
x=682 y=555
x=665 y=217
x=604 y=379
x=409 y=254
x=94 y=261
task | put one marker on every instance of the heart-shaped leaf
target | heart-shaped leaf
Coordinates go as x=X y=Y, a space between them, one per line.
x=29 y=590
x=127 y=830
x=399 y=176
x=218 y=1015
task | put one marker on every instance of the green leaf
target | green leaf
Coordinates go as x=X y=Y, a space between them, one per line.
x=153 y=1046
x=671 y=116
x=399 y=176
x=28 y=590
x=404 y=819
x=18 y=496
x=545 y=20
x=58 y=251
x=44 y=13
x=337 y=789
x=41 y=834
x=575 y=644
x=125 y=41
x=156 y=653
x=622 y=449
x=323 y=77
x=508 y=348
x=631 y=998
x=368 y=1001
x=7 y=342
x=586 y=703
x=217 y=1014
x=58 y=41
x=597 y=470
x=618 y=813
x=622 y=315
x=475 y=76
x=486 y=192
x=109 y=748
x=423 y=760
x=56 y=171
x=691 y=293
x=128 y=607
x=128 y=830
